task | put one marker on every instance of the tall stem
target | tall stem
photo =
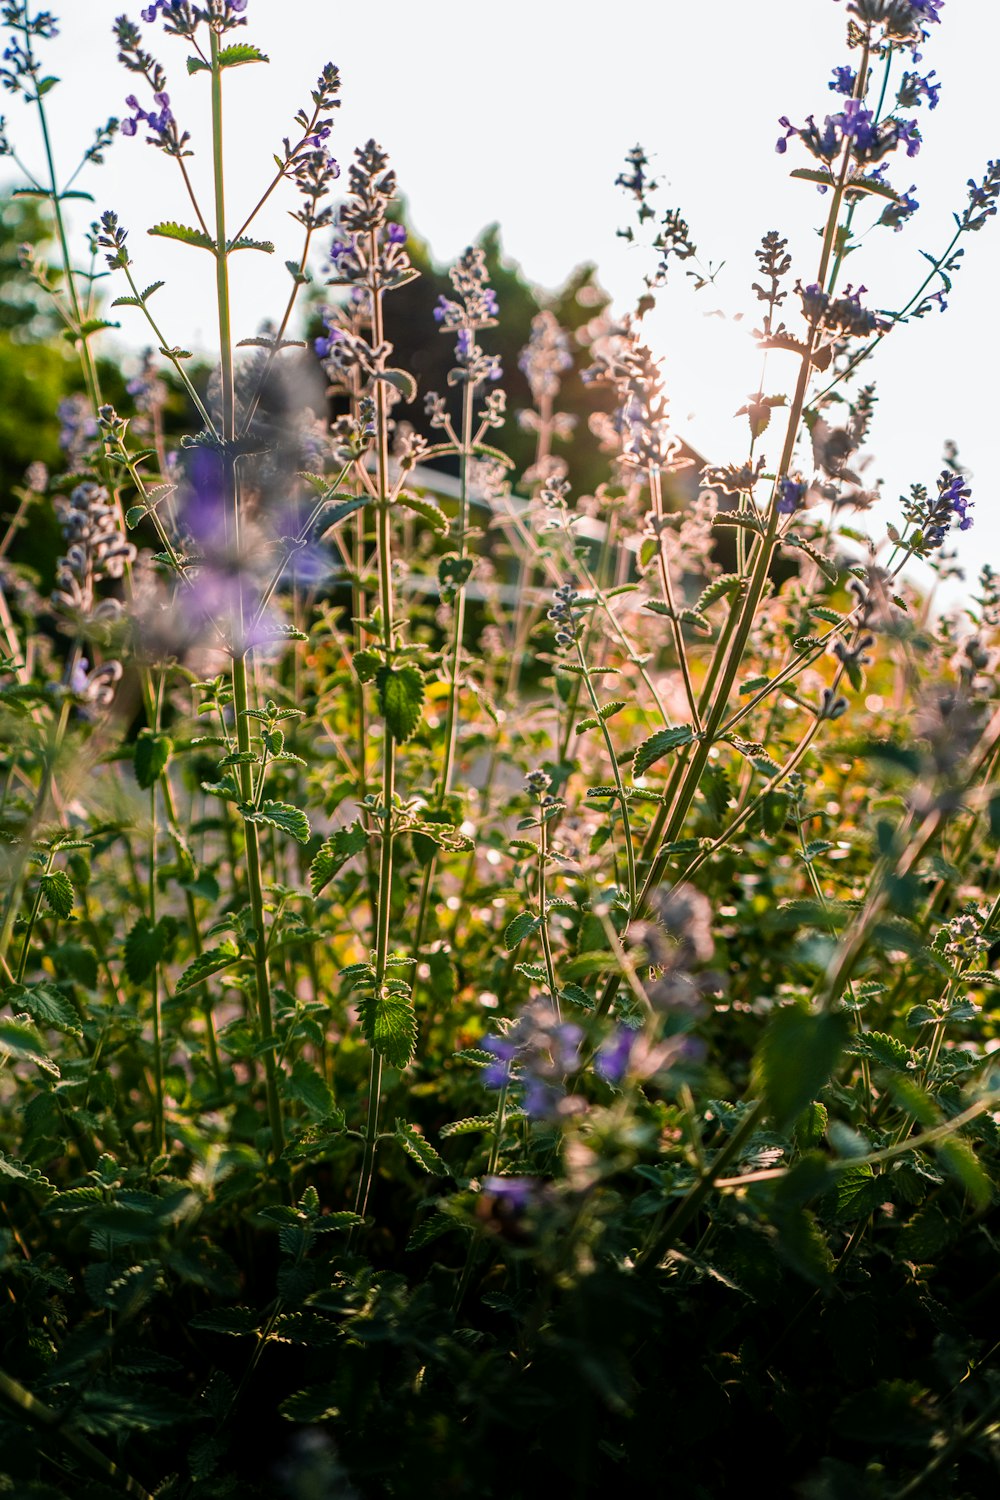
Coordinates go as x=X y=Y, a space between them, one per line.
x=241 y=690
x=384 y=536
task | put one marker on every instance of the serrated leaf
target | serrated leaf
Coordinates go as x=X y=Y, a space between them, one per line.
x=22 y=1171
x=21 y=1043
x=478 y=1056
x=879 y=1047
x=334 y=853
x=432 y=1228
x=719 y=588
x=57 y=892
x=658 y=745
x=401 y=696
x=389 y=1025
x=317 y=1403
x=795 y=1059
x=282 y=815
x=150 y=757
x=425 y=507
x=825 y=564
x=239 y=53
x=402 y=381
x=171 y=230
x=46 y=1006
x=228 y=1320
x=472 y=1125
x=212 y=961
x=518 y=928
x=144 y=947
x=421 y=1150
x=246 y=243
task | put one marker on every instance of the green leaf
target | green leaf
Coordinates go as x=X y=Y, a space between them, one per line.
x=402 y=381
x=198 y=65
x=57 y=892
x=366 y=664
x=245 y=243
x=878 y=1047
x=423 y=506
x=422 y=1152
x=150 y=757
x=658 y=745
x=433 y=1227
x=144 y=947
x=239 y=53
x=401 y=695
x=334 y=853
x=859 y=1191
x=811 y=1125
x=960 y=1161
x=519 y=928
x=46 y=1006
x=306 y=1085
x=825 y=564
x=795 y=1059
x=282 y=815
x=21 y=1043
x=809 y=174
x=389 y=1025
x=213 y=961
x=170 y=230
x=229 y=1320
x=22 y=1171
x=317 y=1403
x=472 y=1125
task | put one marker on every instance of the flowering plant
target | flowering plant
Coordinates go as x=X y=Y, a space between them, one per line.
x=481 y=960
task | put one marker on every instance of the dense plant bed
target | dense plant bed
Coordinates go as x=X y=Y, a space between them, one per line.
x=497 y=981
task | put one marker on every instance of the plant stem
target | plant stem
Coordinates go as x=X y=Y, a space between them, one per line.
x=241 y=693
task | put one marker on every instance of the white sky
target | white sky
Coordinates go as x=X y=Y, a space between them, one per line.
x=522 y=113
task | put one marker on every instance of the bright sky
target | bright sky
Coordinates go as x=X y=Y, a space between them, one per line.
x=522 y=113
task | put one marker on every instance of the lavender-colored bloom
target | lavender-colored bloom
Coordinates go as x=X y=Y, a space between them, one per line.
x=397 y=234
x=956 y=493
x=613 y=1057
x=518 y=1192
x=895 y=215
x=790 y=493
x=913 y=90
x=843 y=81
x=498 y=1074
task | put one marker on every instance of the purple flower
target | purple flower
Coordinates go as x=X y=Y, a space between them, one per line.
x=518 y=1192
x=895 y=215
x=954 y=491
x=790 y=493
x=613 y=1058
x=844 y=79
x=498 y=1074
x=397 y=234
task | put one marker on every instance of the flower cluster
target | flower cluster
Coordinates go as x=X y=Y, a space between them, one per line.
x=96 y=551
x=476 y=305
x=545 y=357
x=869 y=140
x=640 y=423
x=536 y=1055
x=936 y=515
x=182 y=18
x=19 y=68
x=843 y=316
x=914 y=89
x=904 y=21
x=567 y=613
x=982 y=198
x=158 y=121
x=790 y=494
